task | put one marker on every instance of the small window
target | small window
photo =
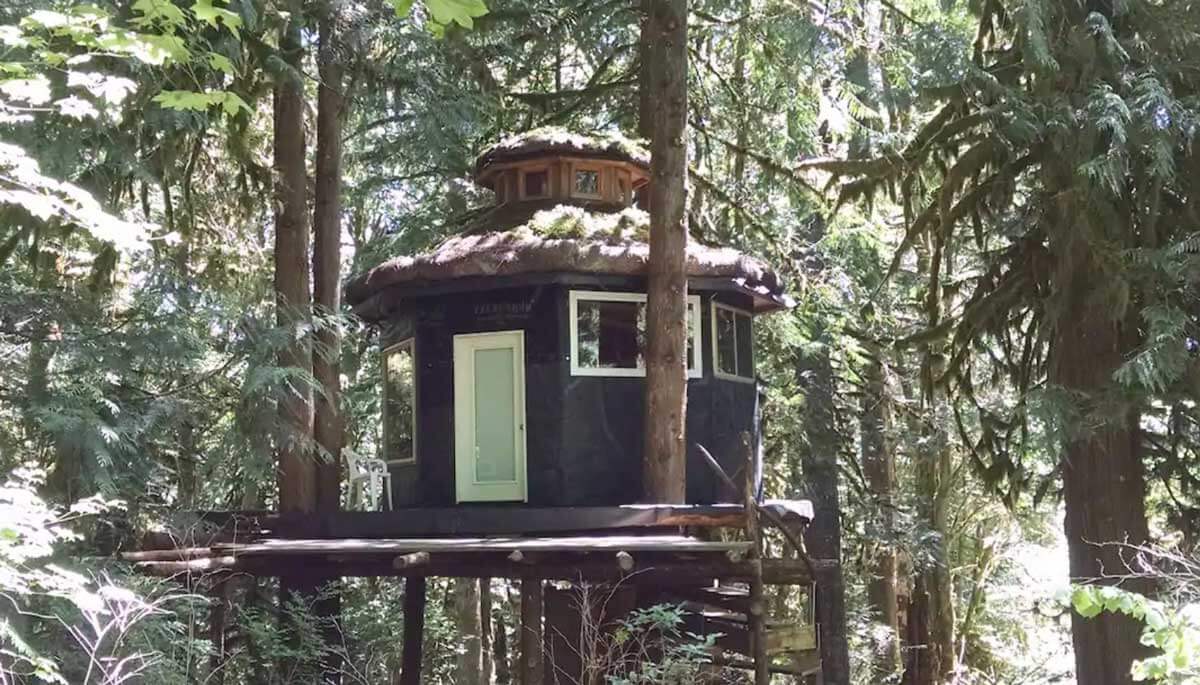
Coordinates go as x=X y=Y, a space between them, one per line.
x=400 y=403
x=608 y=334
x=537 y=184
x=587 y=182
x=733 y=343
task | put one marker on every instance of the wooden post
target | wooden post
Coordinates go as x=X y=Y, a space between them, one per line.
x=756 y=617
x=414 y=630
x=532 y=665
x=217 y=618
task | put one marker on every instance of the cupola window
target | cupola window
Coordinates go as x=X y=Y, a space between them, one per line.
x=400 y=403
x=587 y=183
x=733 y=343
x=535 y=184
x=608 y=334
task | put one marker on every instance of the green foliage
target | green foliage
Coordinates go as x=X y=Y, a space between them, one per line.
x=1173 y=632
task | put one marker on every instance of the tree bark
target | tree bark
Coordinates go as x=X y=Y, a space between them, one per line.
x=468 y=665
x=814 y=372
x=485 y=629
x=665 y=37
x=326 y=262
x=1103 y=485
x=296 y=475
x=879 y=469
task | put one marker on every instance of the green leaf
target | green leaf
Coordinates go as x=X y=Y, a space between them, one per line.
x=402 y=7
x=158 y=12
x=1085 y=601
x=221 y=63
x=461 y=12
x=216 y=16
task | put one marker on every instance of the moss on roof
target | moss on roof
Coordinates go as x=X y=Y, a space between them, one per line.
x=563 y=239
x=555 y=139
x=576 y=223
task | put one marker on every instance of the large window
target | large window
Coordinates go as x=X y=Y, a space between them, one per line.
x=733 y=343
x=608 y=334
x=400 y=403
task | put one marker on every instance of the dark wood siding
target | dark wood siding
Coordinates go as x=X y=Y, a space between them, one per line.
x=583 y=433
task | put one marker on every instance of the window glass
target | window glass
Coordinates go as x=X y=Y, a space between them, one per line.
x=399 y=403
x=726 y=341
x=733 y=344
x=745 y=347
x=611 y=334
x=536 y=183
x=587 y=182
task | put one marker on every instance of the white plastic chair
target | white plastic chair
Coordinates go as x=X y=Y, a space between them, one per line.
x=367 y=478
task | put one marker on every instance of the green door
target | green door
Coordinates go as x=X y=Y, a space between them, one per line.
x=489 y=417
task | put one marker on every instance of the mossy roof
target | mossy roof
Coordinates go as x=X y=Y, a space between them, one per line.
x=565 y=239
x=556 y=140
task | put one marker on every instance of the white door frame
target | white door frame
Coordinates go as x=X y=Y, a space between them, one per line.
x=466 y=488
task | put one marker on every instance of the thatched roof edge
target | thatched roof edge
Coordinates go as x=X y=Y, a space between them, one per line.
x=516 y=252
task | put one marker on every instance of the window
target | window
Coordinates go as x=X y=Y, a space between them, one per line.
x=587 y=182
x=535 y=184
x=733 y=344
x=400 y=403
x=608 y=334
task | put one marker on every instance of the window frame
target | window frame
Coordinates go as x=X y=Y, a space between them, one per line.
x=411 y=344
x=608 y=296
x=724 y=375
x=596 y=169
x=546 y=191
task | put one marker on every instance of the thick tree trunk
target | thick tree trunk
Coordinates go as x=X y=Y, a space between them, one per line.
x=468 y=665
x=296 y=475
x=814 y=373
x=296 y=472
x=326 y=263
x=879 y=469
x=665 y=37
x=1103 y=486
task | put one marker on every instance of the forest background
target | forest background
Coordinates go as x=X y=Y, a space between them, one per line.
x=989 y=212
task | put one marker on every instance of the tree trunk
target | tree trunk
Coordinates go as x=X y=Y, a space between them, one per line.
x=1103 y=486
x=814 y=373
x=468 y=665
x=935 y=471
x=879 y=469
x=297 y=486
x=485 y=629
x=326 y=263
x=665 y=37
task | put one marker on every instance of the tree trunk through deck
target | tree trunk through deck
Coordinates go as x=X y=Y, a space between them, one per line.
x=665 y=39
x=1103 y=486
x=414 y=630
x=823 y=538
x=297 y=482
x=879 y=469
x=531 y=660
x=326 y=262
x=468 y=666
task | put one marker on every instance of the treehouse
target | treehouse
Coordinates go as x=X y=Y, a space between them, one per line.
x=512 y=354
x=513 y=401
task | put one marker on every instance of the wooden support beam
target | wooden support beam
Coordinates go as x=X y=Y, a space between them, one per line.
x=413 y=560
x=217 y=619
x=414 y=630
x=758 y=604
x=532 y=661
x=625 y=561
